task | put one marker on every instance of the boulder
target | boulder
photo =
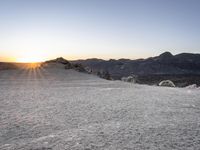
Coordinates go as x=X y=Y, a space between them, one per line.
x=68 y=66
x=104 y=74
x=79 y=68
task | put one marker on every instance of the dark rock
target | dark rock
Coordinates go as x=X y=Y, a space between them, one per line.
x=104 y=74
x=68 y=66
x=59 y=60
x=166 y=55
x=79 y=68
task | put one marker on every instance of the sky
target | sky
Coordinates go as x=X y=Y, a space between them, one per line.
x=37 y=30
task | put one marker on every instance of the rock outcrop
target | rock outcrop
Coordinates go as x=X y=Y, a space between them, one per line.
x=61 y=62
x=104 y=74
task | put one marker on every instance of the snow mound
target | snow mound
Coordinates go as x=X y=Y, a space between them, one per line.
x=128 y=79
x=167 y=83
x=193 y=86
x=57 y=109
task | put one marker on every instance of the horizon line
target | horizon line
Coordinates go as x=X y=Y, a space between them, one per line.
x=91 y=58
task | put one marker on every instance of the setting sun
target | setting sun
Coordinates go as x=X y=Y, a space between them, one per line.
x=31 y=57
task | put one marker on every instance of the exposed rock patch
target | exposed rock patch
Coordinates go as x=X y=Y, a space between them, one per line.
x=61 y=62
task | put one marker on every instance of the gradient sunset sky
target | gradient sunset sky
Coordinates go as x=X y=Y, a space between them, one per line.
x=36 y=30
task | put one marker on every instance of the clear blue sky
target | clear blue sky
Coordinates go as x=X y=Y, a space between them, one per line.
x=98 y=28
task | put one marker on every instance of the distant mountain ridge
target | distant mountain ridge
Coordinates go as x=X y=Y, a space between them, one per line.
x=164 y=64
x=183 y=69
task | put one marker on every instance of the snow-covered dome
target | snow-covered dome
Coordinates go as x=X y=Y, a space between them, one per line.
x=166 y=83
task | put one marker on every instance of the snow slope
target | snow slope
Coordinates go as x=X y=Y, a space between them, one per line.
x=61 y=109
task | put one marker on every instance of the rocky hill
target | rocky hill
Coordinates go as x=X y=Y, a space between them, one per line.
x=61 y=62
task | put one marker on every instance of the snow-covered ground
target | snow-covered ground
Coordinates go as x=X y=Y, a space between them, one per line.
x=44 y=109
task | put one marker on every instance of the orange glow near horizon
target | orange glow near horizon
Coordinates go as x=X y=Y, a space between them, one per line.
x=31 y=57
x=29 y=60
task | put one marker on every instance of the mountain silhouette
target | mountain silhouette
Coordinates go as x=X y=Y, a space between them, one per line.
x=165 y=63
